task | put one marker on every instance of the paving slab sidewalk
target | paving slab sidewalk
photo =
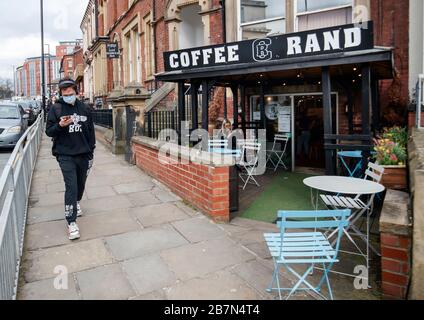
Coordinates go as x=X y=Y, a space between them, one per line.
x=139 y=241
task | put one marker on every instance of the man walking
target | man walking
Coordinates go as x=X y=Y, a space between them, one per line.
x=71 y=126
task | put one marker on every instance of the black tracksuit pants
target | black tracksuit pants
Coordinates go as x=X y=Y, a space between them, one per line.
x=75 y=171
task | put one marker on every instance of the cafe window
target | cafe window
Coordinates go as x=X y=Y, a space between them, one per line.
x=261 y=18
x=315 y=14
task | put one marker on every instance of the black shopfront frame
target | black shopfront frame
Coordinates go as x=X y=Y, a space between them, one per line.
x=374 y=63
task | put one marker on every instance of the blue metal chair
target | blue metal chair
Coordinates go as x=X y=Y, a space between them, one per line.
x=307 y=246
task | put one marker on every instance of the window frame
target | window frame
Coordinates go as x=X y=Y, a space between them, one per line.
x=310 y=12
x=241 y=24
x=129 y=35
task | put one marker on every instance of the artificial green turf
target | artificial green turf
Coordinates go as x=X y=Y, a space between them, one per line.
x=286 y=192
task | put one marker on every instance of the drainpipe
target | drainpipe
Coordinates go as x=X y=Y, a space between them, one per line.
x=224 y=40
x=96 y=21
x=224 y=23
x=154 y=40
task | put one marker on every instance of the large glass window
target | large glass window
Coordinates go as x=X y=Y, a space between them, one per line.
x=191 y=27
x=315 y=14
x=261 y=18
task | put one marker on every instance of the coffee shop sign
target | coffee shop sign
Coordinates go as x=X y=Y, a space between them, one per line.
x=307 y=43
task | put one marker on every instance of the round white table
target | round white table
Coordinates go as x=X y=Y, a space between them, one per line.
x=343 y=185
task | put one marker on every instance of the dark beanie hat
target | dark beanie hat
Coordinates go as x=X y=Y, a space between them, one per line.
x=66 y=83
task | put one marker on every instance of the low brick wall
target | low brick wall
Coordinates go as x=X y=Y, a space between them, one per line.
x=395 y=239
x=205 y=186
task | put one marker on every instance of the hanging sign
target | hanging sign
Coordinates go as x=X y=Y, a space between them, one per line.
x=112 y=50
x=344 y=38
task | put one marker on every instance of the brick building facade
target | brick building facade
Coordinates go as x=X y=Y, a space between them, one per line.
x=144 y=29
x=28 y=76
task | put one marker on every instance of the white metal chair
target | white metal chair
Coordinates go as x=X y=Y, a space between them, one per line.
x=249 y=161
x=281 y=140
x=359 y=208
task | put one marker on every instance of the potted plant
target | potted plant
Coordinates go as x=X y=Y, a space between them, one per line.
x=391 y=153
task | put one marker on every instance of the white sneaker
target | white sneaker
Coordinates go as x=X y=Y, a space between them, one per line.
x=73 y=231
x=79 y=211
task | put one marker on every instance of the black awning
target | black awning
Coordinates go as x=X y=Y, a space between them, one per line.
x=381 y=58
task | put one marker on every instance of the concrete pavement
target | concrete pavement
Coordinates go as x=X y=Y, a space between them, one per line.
x=140 y=241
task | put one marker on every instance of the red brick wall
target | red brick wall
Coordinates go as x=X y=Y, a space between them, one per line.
x=391 y=23
x=395 y=265
x=216 y=32
x=205 y=187
x=162 y=39
x=142 y=8
x=121 y=7
x=412 y=120
x=111 y=13
x=79 y=58
x=101 y=25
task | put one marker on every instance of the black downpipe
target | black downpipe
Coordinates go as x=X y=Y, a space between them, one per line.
x=96 y=21
x=154 y=40
x=224 y=40
x=224 y=24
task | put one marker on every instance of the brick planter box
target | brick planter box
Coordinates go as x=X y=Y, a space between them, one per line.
x=395 y=177
x=200 y=178
x=396 y=245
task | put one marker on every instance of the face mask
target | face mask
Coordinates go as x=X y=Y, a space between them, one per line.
x=70 y=99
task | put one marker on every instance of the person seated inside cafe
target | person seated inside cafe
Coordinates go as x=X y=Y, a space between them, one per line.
x=226 y=133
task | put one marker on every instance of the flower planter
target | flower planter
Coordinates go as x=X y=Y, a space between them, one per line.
x=395 y=177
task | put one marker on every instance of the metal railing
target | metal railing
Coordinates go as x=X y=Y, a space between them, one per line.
x=15 y=183
x=156 y=121
x=103 y=118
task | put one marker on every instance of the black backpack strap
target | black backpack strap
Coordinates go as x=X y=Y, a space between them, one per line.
x=57 y=107
x=57 y=110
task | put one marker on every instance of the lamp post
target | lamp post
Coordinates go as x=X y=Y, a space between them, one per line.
x=43 y=80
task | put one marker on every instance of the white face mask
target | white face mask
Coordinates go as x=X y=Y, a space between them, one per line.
x=70 y=99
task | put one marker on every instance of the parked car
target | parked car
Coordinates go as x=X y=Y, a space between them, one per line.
x=27 y=106
x=13 y=124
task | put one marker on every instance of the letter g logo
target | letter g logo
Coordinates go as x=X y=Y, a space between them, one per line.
x=261 y=50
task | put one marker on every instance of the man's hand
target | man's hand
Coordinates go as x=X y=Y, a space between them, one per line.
x=65 y=121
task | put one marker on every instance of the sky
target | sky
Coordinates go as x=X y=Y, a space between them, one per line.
x=20 y=34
